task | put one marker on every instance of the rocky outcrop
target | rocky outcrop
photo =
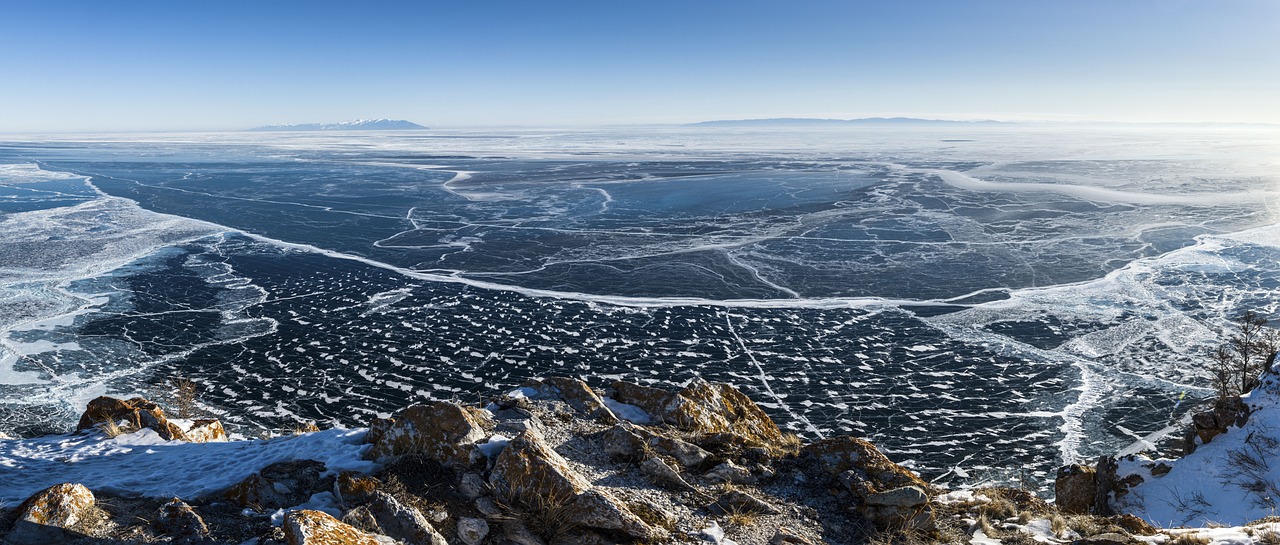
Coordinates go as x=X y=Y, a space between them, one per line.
x=880 y=486
x=705 y=408
x=138 y=413
x=441 y=431
x=181 y=523
x=1226 y=413
x=1075 y=489
x=528 y=473
x=317 y=528
x=576 y=394
x=51 y=515
x=402 y=522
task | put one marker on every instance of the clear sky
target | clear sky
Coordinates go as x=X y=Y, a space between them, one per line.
x=209 y=65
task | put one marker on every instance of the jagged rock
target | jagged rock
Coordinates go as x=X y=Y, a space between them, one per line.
x=786 y=536
x=402 y=522
x=1074 y=489
x=280 y=485
x=529 y=473
x=729 y=472
x=663 y=475
x=472 y=531
x=576 y=393
x=1160 y=469
x=1226 y=412
x=352 y=488
x=630 y=441
x=49 y=515
x=1105 y=483
x=472 y=486
x=205 y=431
x=443 y=432
x=876 y=472
x=361 y=519
x=737 y=501
x=308 y=527
x=137 y=413
x=181 y=522
x=705 y=408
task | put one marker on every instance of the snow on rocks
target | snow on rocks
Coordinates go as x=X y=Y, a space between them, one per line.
x=48 y=515
x=306 y=527
x=445 y=432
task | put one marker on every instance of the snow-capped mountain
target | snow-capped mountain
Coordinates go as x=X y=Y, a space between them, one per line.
x=353 y=125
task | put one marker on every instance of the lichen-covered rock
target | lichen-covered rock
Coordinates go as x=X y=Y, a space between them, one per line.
x=48 y=515
x=402 y=522
x=205 y=431
x=705 y=408
x=352 y=488
x=180 y=522
x=136 y=413
x=443 y=432
x=377 y=428
x=576 y=393
x=308 y=527
x=1074 y=489
x=529 y=474
x=472 y=531
x=281 y=485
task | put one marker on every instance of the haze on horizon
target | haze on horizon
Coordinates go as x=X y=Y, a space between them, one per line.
x=150 y=65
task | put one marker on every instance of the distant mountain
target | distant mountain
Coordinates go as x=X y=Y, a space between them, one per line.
x=355 y=125
x=809 y=121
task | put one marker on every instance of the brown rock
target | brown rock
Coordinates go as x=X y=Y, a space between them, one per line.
x=1074 y=489
x=786 y=536
x=377 y=428
x=876 y=472
x=532 y=476
x=630 y=441
x=443 y=432
x=737 y=501
x=48 y=515
x=1133 y=525
x=137 y=413
x=351 y=487
x=308 y=527
x=705 y=408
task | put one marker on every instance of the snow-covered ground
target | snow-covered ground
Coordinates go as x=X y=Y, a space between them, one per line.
x=143 y=464
x=1232 y=480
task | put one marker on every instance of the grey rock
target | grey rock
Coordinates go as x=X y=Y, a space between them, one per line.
x=472 y=530
x=402 y=522
x=663 y=475
x=787 y=536
x=906 y=496
x=472 y=486
x=728 y=472
x=181 y=522
x=518 y=534
x=737 y=501
x=487 y=507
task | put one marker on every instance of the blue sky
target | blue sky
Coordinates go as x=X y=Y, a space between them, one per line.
x=139 y=65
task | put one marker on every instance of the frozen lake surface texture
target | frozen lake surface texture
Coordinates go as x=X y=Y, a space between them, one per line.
x=984 y=303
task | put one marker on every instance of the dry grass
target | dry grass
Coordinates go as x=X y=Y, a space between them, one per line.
x=1058 y=525
x=789 y=445
x=1268 y=536
x=111 y=428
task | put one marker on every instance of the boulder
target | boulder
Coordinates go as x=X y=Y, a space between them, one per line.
x=472 y=531
x=1226 y=412
x=1074 y=489
x=402 y=522
x=729 y=472
x=906 y=507
x=281 y=485
x=136 y=413
x=51 y=515
x=443 y=432
x=532 y=476
x=627 y=440
x=180 y=522
x=351 y=487
x=906 y=496
x=874 y=470
x=576 y=393
x=308 y=527
x=205 y=431
x=705 y=408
